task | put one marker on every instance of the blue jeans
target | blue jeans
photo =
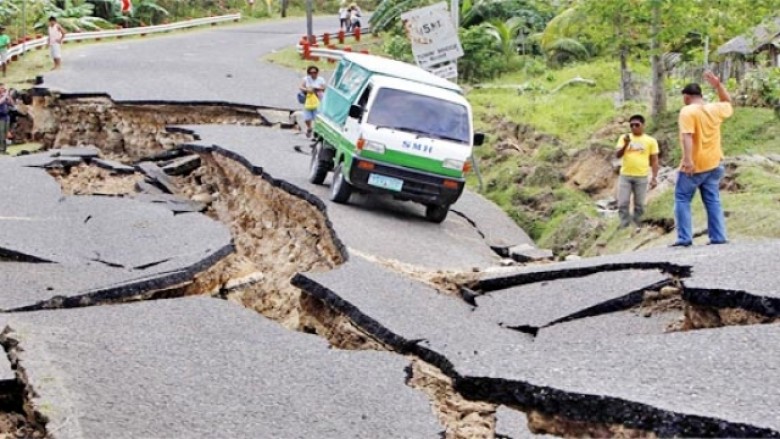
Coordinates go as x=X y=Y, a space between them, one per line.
x=708 y=184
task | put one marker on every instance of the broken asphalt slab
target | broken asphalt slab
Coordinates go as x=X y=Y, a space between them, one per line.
x=129 y=246
x=113 y=166
x=405 y=314
x=157 y=177
x=202 y=367
x=115 y=231
x=706 y=383
x=625 y=323
x=533 y=306
x=739 y=275
x=375 y=225
x=501 y=366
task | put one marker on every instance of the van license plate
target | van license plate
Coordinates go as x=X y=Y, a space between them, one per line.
x=390 y=183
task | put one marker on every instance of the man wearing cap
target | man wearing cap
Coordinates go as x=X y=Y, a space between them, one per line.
x=701 y=155
x=5 y=42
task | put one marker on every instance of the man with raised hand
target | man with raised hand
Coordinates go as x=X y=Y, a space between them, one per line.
x=701 y=161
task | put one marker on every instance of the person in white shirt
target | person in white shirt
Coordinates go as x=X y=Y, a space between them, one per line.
x=56 y=37
x=354 y=16
x=315 y=84
x=344 y=21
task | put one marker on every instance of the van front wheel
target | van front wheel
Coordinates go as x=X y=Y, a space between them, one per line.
x=340 y=189
x=435 y=213
x=318 y=169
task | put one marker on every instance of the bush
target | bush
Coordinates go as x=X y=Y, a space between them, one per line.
x=482 y=57
x=399 y=47
x=761 y=88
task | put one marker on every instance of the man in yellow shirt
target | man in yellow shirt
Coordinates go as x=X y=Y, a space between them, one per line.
x=639 y=153
x=701 y=155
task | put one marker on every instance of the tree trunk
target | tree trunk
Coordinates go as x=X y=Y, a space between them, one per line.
x=284 y=7
x=659 y=92
x=625 y=80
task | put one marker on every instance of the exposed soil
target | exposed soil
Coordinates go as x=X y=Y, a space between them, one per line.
x=542 y=423
x=91 y=180
x=18 y=417
x=446 y=282
x=704 y=317
x=462 y=418
x=338 y=329
x=276 y=234
x=130 y=130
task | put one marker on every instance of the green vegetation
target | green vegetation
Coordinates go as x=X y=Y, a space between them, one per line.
x=572 y=114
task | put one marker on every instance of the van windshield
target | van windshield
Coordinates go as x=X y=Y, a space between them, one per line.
x=419 y=114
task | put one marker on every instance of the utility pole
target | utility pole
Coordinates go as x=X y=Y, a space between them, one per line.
x=24 y=25
x=310 y=20
x=455 y=12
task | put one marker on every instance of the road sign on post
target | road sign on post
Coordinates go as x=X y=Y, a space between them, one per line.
x=434 y=38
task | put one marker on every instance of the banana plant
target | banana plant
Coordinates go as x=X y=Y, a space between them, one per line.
x=73 y=16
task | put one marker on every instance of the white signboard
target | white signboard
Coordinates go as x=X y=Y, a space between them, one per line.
x=446 y=71
x=433 y=35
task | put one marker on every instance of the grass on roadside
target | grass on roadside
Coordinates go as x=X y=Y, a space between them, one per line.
x=572 y=114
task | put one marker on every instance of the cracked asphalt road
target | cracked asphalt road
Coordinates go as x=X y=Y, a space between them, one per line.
x=203 y=367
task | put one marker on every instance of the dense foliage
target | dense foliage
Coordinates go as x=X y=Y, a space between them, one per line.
x=23 y=17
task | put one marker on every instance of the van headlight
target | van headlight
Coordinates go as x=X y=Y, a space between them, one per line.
x=376 y=147
x=453 y=164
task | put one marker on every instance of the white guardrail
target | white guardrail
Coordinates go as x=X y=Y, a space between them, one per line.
x=327 y=53
x=26 y=46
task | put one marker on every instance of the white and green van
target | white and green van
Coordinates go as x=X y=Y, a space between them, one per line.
x=389 y=127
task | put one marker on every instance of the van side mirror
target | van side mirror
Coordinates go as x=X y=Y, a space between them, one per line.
x=479 y=139
x=356 y=111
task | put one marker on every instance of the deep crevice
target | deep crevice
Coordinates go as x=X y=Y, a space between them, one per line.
x=18 y=416
x=504 y=282
x=724 y=298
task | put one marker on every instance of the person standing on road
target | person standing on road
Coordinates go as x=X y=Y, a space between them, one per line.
x=354 y=16
x=56 y=37
x=5 y=43
x=701 y=156
x=313 y=87
x=344 y=23
x=6 y=103
x=639 y=154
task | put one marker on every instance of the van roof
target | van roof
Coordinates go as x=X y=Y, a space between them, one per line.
x=398 y=69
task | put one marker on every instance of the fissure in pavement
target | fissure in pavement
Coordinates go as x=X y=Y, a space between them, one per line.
x=279 y=230
x=18 y=417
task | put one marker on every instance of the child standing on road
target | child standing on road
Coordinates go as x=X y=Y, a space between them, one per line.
x=313 y=86
x=56 y=37
x=5 y=43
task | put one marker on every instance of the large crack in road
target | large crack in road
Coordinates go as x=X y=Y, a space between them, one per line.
x=282 y=235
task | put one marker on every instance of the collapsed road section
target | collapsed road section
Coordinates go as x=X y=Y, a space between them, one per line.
x=595 y=347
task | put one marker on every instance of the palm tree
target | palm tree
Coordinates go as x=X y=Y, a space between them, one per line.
x=505 y=33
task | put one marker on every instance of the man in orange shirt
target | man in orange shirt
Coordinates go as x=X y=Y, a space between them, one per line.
x=701 y=155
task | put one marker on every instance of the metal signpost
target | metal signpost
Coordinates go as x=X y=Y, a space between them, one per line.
x=434 y=38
